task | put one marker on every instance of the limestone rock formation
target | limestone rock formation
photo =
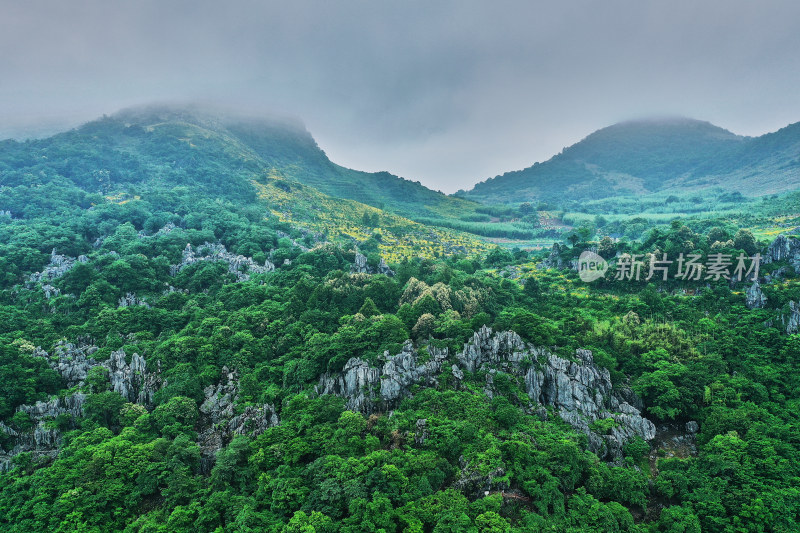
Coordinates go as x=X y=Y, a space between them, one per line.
x=50 y=291
x=238 y=265
x=73 y=362
x=579 y=391
x=219 y=423
x=360 y=266
x=132 y=381
x=754 y=298
x=793 y=323
x=58 y=266
x=42 y=440
x=130 y=299
x=784 y=248
x=554 y=259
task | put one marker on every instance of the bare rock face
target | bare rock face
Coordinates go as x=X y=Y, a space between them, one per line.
x=554 y=259
x=72 y=362
x=220 y=420
x=238 y=265
x=58 y=266
x=579 y=391
x=384 y=269
x=130 y=299
x=784 y=248
x=42 y=440
x=132 y=381
x=360 y=266
x=357 y=382
x=219 y=423
x=793 y=323
x=50 y=291
x=754 y=298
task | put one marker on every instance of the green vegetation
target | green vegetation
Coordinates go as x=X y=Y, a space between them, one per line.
x=671 y=156
x=130 y=198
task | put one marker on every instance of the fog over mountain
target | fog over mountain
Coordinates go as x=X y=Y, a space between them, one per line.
x=447 y=94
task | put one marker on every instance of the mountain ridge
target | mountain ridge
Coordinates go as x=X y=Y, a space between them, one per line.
x=286 y=144
x=650 y=156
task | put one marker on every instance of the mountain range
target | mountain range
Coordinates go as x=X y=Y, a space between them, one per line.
x=193 y=145
x=667 y=156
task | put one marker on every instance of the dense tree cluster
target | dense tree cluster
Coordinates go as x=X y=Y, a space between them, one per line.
x=691 y=351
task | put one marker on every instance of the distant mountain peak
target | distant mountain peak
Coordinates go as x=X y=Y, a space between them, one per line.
x=652 y=154
x=206 y=115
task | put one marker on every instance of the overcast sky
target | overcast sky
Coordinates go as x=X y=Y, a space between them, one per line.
x=447 y=93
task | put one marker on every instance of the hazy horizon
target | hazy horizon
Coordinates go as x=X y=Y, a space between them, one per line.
x=447 y=94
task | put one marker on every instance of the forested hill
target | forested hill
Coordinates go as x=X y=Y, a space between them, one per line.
x=277 y=144
x=645 y=156
x=193 y=341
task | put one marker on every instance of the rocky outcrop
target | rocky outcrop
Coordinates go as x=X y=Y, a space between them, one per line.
x=474 y=484
x=360 y=266
x=43 y=440
x=578 y=390
x=793 y=322
x=50 y=291
x=754 y=298
x=358 y=383
x=220 y=420
x=57 y=267
x=219 y=423
x=131 y=380
x=73 y=362
x=784 y=248
x=238 y=265
x=130 y=299
x=554 y=259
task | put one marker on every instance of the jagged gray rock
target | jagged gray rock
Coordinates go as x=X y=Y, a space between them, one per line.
x=58 y=266
x=50 y=291
x=554 y=259
x=130 y=299
x=132 y=381
x=422 y=433
x=784 y=248
x=754 y=298
x=793 y=323
x=579 y=391
x=360 y=266
x=238 y=265
x=356 y=383
x=42 y=441
x=218 y=422
x=73 y=362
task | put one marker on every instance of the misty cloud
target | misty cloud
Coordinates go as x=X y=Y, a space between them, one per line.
x=446 y=93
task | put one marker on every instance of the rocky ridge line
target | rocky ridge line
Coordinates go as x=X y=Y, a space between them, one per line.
x=579 y=391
